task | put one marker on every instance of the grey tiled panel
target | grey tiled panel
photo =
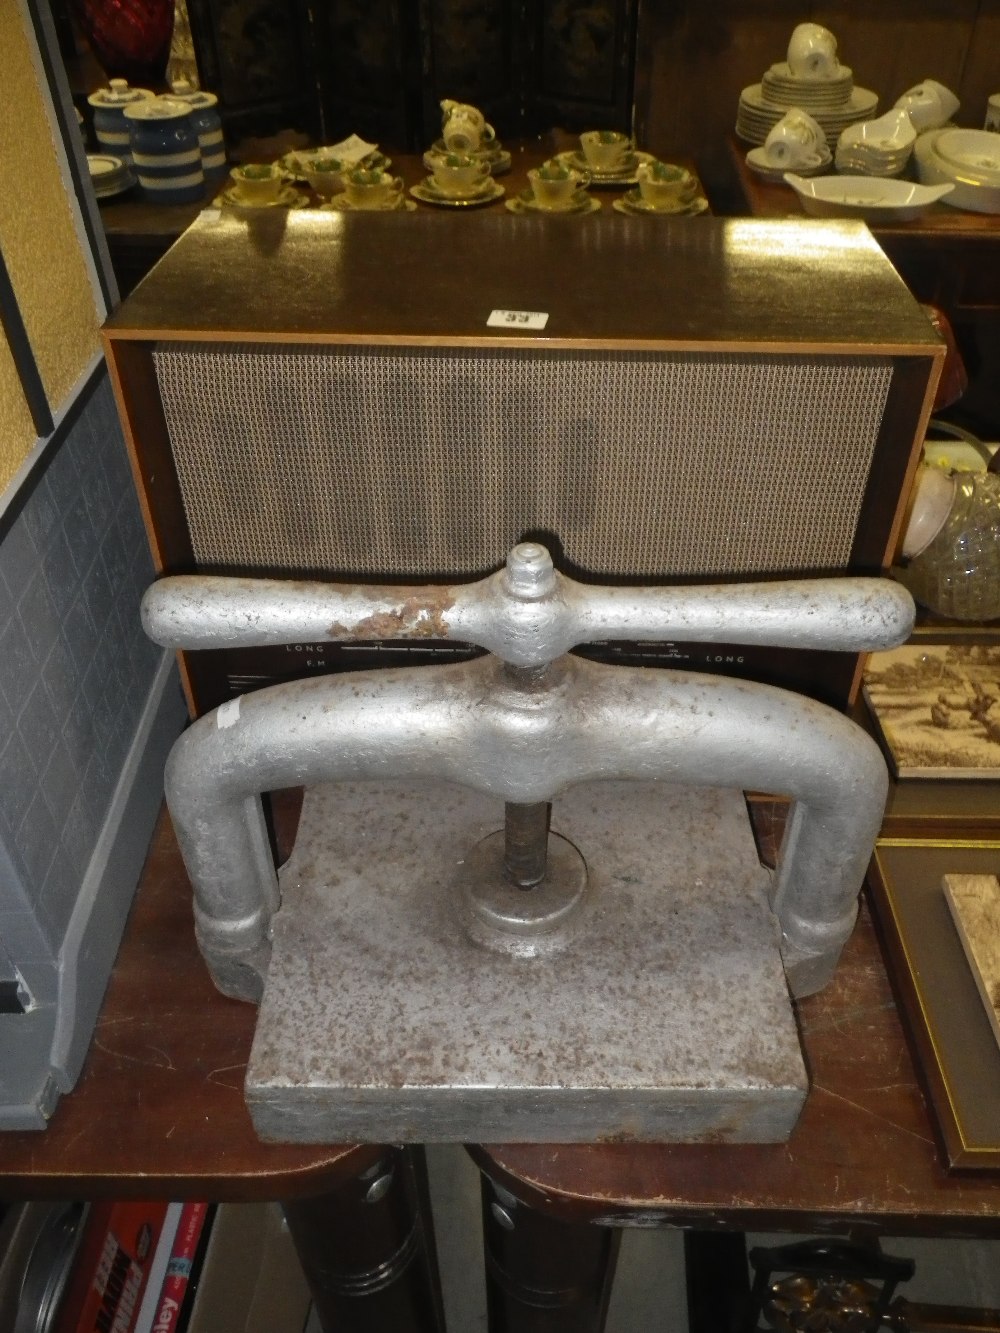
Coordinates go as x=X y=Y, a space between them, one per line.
x=75 y=669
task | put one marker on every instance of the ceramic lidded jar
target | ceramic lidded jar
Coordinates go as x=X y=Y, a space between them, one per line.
x=208 y=126
x=111 y=129
x=165 y=150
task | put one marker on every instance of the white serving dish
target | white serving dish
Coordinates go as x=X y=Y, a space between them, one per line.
x=976 y=151
x=870 y=198
x=891 y=133
x=970 y=191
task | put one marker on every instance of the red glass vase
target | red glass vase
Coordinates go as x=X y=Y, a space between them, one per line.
x=130 y=39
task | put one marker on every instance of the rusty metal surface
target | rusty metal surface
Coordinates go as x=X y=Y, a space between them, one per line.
x=470 y=723
x=665 y=1017
x=525 y=725
x=528 y=615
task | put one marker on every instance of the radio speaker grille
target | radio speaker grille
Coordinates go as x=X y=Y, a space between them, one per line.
x=432 y=462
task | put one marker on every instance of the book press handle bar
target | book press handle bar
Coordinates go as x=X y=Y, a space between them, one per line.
x=524 y=724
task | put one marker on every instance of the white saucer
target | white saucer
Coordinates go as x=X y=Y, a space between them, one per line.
x=109 y=175
x=761 y=166
x=341 y=204
x=624 y=175
x=581 y=205
x=634 y=205
x=429 y=192
x=288 y=197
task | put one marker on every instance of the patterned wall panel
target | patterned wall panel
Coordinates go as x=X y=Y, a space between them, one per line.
x=75 y=672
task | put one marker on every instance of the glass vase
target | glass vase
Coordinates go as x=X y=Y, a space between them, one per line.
x=130 y=39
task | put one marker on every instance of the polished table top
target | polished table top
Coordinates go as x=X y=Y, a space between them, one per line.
x=771 y=199
x=159 y=1109
x=131 y=216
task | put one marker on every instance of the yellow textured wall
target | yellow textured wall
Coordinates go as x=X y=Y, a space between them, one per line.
x=40 y=245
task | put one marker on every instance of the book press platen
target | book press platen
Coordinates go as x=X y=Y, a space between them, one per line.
x=525 y=902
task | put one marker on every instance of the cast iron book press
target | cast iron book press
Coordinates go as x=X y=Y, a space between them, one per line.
x=525 y=902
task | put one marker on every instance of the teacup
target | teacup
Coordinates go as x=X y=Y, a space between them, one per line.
x=460 y=174
x=464 y=127
x=324 y=174
x=605 y=149
x=796 y=138
x=992 y=121
x=663 y=185
x=258 y=182
x=929 y=104
x=812 y=52
x=372 y=189
x=555 y=186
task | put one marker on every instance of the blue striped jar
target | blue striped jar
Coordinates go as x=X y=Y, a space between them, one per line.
x=208 y=126
x=111 y=129
x=165 y=150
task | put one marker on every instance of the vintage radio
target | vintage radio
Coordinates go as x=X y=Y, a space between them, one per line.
x=402 y=397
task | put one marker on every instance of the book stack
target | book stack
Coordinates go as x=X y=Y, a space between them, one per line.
x=136 y=1268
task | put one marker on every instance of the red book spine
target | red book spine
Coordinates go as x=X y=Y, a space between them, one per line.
x=105 y=1290
x=182 y=1257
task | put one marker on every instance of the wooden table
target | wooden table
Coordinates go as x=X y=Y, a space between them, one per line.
x=158 y=1112
x=139 y=233
x=947 y=257
x=863 y=1160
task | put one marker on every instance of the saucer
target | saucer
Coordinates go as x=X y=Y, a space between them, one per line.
x=429 y=192
x=634 y=204
x=525 y=202
x=621 y=175
x=341 y=204
x=288 y=197
x=759 y=163
x=109 y=175
x=497 y=157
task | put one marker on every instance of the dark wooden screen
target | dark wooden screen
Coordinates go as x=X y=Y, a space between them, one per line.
x=381 y=67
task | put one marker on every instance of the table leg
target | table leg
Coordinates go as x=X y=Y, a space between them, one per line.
x=367 y=1249
x=717 y=1280
x=544 y=1275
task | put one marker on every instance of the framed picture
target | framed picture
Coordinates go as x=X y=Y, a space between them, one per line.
x=936 y=709
x=954 y=1044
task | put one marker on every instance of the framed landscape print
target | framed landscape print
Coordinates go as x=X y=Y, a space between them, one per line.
x=936 y=708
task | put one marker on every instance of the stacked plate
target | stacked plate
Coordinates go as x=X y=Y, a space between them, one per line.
x=615 y=177
x=835 y=103
x=109 y=175
x=877 y=147
x=783 y=88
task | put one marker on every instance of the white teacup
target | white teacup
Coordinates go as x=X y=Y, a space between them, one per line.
x=324 y=174
x=795 y=139
x=812 y=52
x=663 y=185
x=555 y=186
x=372 y=189
x=929 y=104
x=460 y=174
x=464 y=127
x=258 y=182
x=992 y=121
x=605 y=149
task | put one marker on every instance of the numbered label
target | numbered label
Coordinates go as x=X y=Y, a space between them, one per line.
x=517 y=319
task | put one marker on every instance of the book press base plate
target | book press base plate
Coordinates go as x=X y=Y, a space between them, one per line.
x=664 y=1015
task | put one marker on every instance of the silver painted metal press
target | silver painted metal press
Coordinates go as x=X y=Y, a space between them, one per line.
x=525 y=902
